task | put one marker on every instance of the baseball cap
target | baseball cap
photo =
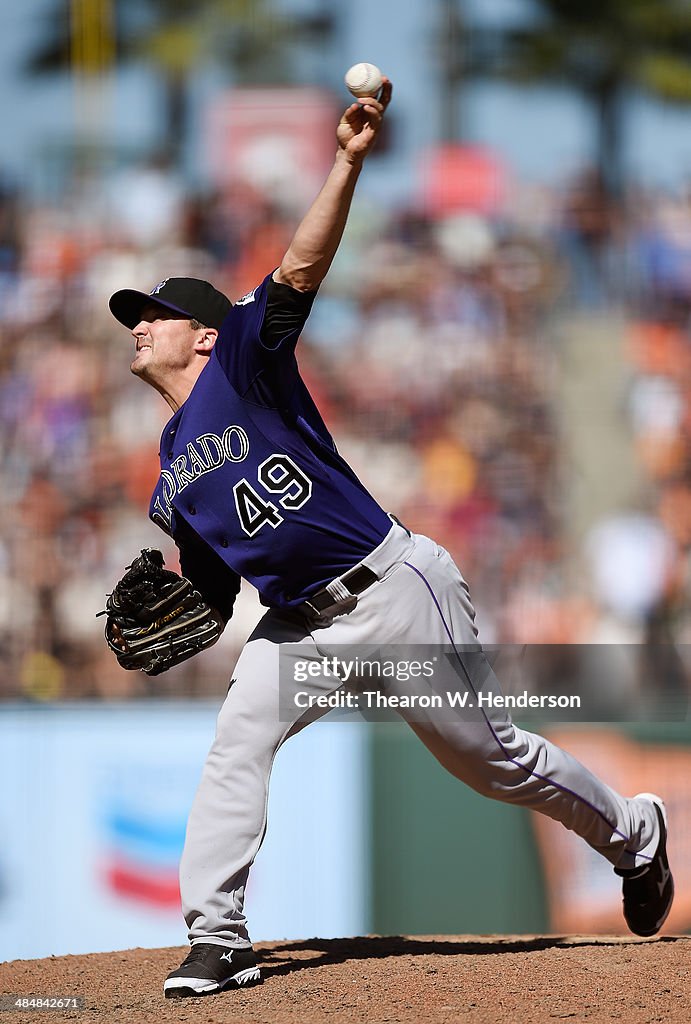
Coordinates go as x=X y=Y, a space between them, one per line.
x=189 y=296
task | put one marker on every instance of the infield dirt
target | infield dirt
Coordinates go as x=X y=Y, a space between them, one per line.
x=372 y=980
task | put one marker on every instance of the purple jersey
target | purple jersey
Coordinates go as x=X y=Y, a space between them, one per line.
x=249 y=465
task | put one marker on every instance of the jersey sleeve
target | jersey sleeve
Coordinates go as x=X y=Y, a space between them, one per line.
x=285 y=315
x=218 y=584
x=256 y=343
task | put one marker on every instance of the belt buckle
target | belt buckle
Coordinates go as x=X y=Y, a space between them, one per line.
x=347 y=606
x=336 y=608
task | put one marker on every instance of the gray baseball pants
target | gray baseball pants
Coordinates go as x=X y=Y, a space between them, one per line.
x=420 y=598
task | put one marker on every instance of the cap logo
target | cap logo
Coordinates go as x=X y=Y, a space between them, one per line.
x=156 y=290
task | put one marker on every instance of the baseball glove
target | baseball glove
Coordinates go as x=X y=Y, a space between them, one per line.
x=156 y=619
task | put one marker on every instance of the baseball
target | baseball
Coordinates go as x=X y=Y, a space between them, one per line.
x=364 y=79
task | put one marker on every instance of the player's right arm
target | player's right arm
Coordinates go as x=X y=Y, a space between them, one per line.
x=318 y=236
x=256 y=349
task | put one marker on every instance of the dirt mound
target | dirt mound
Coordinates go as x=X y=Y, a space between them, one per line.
x=476 y=979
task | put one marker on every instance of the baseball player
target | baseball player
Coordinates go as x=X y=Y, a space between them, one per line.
x=252 y=486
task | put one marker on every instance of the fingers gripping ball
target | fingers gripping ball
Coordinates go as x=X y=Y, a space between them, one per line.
x=156 y=619
x=364 y=79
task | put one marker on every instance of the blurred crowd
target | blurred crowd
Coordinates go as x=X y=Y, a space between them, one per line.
x=434 y=352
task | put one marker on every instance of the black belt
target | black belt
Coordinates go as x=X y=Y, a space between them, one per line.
x=355 y=581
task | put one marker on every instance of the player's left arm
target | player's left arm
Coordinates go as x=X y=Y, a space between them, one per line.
x=316 y=240
x=218 y=584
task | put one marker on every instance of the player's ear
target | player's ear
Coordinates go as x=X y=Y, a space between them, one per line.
x=207 y=340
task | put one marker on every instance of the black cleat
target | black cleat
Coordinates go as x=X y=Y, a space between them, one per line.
x=210 y=968
x=648 y=891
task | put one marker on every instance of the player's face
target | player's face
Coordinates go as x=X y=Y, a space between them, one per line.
x=164 y=344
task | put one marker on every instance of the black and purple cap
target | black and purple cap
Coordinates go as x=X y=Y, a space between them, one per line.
x=188 y=296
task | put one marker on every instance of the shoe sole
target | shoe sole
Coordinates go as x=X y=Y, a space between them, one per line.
x=654 y=799
x=243 y=979
x=658 y=802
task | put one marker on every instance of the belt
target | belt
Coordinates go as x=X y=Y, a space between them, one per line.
x=349 y=585
x=354 y=581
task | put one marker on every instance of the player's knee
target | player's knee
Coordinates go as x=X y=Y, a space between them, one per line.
x=495 y=779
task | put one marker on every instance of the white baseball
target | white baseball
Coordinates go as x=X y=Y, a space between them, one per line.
x=364 y=79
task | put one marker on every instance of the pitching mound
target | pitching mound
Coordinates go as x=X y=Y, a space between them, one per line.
x=372 y=980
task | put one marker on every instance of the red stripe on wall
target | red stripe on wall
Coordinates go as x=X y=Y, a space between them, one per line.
x=161 y=890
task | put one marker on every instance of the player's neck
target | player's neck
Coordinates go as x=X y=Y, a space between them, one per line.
x=178 y=388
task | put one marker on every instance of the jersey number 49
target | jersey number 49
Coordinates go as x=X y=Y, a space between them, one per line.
x=278 y=475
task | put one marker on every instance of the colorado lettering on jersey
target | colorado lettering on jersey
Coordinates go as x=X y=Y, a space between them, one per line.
x=205 y=454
